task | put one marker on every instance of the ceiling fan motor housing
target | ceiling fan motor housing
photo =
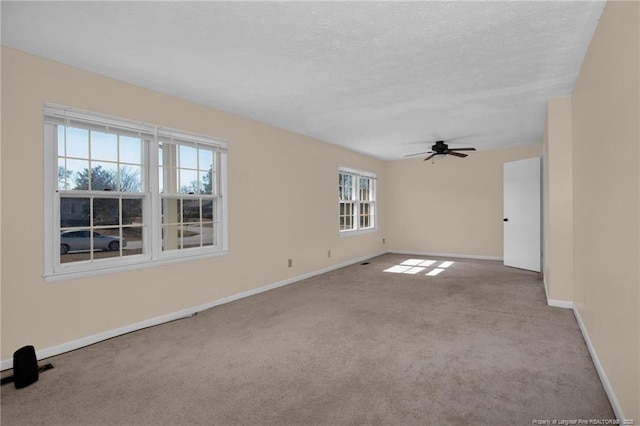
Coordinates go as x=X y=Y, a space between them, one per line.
x=440 y=147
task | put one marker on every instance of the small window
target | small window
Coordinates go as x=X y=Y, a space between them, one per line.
x=121 y=193
x=356 y=200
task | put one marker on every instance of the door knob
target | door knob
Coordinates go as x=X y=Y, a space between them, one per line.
x=506 y=219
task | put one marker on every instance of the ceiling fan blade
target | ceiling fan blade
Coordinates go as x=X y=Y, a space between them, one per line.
x=431 y=156
x=457 y=154
x=462 y=149
x=418 y=153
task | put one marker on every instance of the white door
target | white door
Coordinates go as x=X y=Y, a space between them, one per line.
x=522 y=214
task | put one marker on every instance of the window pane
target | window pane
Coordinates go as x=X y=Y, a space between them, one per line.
x=106 y=211
x=74 y=212
x=78 y=174
x=188 y=157
x=208 y=237
x=132 y=244
x=191 y=211
x=64 y=176
x=206 y=159
x=364 y=215
x=77 y=142
x=107 y=243
x=104 y=176
x=72 y=242
x=191 y=236
x=188 y=181
x=131 y=150
x=364 y=189
x=207 y=210
x=131 y=211
x=130 y=179
x=104 y=146
x=347 y=222
x=207 y=182
x=348 y=187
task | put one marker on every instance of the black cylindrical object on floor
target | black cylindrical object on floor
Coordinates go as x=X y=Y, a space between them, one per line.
x=25 y=367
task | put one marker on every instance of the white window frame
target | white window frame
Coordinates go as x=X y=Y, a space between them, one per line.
x=152 y=254
x=355 y=198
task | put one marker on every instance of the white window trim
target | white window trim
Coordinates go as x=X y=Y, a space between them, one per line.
x=54 y=271
x=357 y=230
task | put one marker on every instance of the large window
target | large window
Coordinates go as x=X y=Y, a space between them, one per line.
x=121 y=194
x=356 y=200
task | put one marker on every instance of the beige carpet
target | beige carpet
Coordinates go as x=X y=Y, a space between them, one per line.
x=475 y=344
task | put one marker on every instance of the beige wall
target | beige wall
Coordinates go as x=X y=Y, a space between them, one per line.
x=558 y=201
x=282 y=204
x=452 y=205
x=606 y=180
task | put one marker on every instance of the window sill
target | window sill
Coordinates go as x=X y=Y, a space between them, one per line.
x=52 y=277
x=352 y=233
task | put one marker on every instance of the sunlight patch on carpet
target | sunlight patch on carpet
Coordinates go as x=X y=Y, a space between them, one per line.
x=415 y=266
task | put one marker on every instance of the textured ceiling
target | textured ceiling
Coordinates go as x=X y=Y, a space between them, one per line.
x=383 y=78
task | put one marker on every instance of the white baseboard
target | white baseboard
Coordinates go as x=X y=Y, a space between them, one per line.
x=461 y=256
x=560 y=303
x=617 y=409
x=6 y=364
x=546 y=290
x=555 y=302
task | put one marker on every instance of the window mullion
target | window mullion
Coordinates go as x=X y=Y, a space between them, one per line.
x=118 y=167
x=91 y=224
x=218 y=164
x=372 y=209
x=221 y=202
x=356 y=198
x=90 y=161
x=154 y=200
x=56 y=236
x=120 y=225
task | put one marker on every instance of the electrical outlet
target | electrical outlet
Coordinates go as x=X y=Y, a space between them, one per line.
x=290 y=263
x=328 y=253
